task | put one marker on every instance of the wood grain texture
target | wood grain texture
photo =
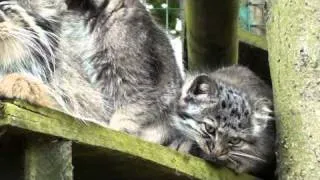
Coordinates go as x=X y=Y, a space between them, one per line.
x=48 y=159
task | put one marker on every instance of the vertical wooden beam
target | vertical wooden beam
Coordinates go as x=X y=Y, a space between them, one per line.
x=48 y=159
x=211 y=33
x=293 y=33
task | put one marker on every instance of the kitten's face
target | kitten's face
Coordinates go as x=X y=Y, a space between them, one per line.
x=223 y=130
x=27 y=29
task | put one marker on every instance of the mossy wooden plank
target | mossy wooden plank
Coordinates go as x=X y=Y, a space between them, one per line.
x=252 y=39
x=48 y=159
x=42 y=120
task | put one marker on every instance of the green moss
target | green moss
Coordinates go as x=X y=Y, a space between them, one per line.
x=252 y=39
x=41 y=120
x=293 y=48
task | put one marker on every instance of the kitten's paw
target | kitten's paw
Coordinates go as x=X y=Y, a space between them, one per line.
x=27 y=88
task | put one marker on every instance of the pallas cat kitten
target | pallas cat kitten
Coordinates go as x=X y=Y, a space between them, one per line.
x=34 y=64
x=129 y=59
x=228 y=113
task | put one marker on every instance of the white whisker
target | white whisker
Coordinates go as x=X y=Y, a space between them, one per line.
x=232 y=160
x=240 y=154
x=246 y=130
x=43 y=48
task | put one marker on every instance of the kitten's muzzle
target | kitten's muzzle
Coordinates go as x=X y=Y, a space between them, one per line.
x=219 y=152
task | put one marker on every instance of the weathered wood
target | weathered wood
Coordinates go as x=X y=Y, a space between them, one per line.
x=252 y=39
x=293 y=34
x=48 y=159
x=211 y=33
x=41 y=120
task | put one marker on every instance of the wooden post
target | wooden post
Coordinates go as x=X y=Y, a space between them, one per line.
x=293 y=31
x=48 y=159
x=211 y=33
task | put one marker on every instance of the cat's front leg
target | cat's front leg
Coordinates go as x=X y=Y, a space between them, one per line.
x=136 y=119
x=27 y=88
x=122 y=120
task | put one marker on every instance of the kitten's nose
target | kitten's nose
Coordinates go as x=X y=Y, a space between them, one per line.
x=218 y=151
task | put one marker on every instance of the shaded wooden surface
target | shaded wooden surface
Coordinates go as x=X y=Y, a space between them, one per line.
x=48 y=159
x=255 y=59
x=11 y=156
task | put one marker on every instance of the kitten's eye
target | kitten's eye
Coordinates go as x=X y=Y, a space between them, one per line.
x=210 y=129
x=235 y=141
x=202 y=89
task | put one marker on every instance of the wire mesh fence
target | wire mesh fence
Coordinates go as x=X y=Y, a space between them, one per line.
x=168 y=13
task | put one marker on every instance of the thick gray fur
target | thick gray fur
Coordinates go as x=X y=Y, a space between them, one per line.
x=105 y=61
x=228 y=114
x=33 y=45
x=129 y=59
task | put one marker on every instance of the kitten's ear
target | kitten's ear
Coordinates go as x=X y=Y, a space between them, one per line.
x=203 y=85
